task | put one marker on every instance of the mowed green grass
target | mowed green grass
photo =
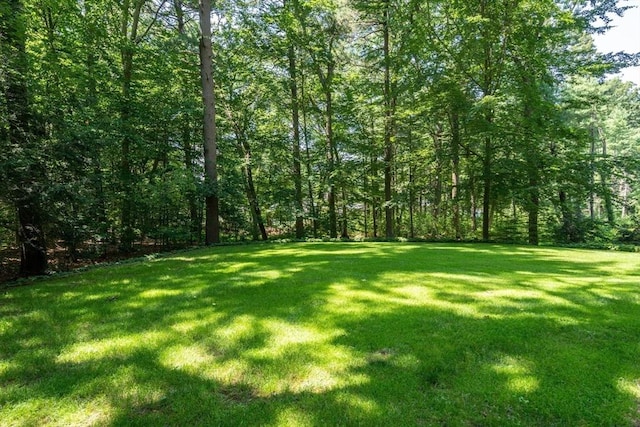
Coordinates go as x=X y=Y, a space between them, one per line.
x=316 y=334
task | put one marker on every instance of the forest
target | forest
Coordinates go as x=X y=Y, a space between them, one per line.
x=173 y=123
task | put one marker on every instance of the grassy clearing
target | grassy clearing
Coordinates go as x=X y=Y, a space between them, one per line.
x=329 y=334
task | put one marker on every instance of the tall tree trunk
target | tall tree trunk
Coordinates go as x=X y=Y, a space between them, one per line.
x=179 y=9
x=333 y=221
x=326 y=81
x=343 y=188
x=437 y=184
x=33 y=250
x=388 y=126
x=195 y=220
x=533 y=172
x=253 y=201
x=455 y=174
x=244 y=150
x=129 y=34
x=126 y=56
x=374 y=195
x=305 y=133
x=604 y=182
x=473 y=195
x=312 y=203
x=592 y=175
x=295 y=124
x=534 y=207
x=365 y=191
x=345 y=222
x=412 y=230
x=624 y=195
x=490 y=66
x=487 y=181
x=24 y=186
x=212 y=223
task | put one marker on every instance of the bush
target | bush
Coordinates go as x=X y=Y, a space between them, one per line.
x=629 y=231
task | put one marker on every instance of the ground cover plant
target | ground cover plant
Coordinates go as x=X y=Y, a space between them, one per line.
x=329 y=334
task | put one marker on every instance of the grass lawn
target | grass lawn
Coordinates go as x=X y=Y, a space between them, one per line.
x=388 y=334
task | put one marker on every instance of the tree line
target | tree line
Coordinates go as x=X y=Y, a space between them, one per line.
x=131 y=121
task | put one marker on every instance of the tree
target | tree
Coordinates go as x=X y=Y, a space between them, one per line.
x=322 y=37
x=389 y=125
x=538 y=30
x=212 y=227
x=130 y=20
x=456 y=119
x=22 y=164
x=602 y=114
x=295 y=116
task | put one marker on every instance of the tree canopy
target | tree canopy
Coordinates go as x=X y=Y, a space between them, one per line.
x=457 y=120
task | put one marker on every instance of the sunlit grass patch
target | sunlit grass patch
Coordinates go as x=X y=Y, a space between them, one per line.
x=119 y=347
x=329 y=334
x=519 y=373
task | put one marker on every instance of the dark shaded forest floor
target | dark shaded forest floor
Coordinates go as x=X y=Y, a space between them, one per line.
x=59 y=260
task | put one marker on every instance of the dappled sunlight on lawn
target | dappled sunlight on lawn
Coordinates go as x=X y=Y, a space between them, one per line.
x=311 y=334
x=519 y=373
x=114 y=348
x=313 y=363
x=192 y=357
x=62 y=412
x=630 y=386
x=159 y=293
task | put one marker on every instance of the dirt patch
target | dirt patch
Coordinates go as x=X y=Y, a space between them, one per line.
x=238 y=394
x=381 y=356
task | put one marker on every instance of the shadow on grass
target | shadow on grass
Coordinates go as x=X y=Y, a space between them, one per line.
x=326 y=334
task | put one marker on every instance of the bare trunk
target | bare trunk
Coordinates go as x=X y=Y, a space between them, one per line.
x=178 y=8
x=486 y=197
x=244 y=150
x=624 y=194
x=474 y=203
x=388 y=128
x=437 y=185
x=365 y=190
x=592 y=176
x=488 y=89
x=212 y=224
x=604 y=183
x=533 y=171
x=455 y=174
x=534 y=207
x=333 y=222
x=312 y=204
x=374 y=197
x=253 y=202
x=295 y=124
x=412 y=230
x=345 y=222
